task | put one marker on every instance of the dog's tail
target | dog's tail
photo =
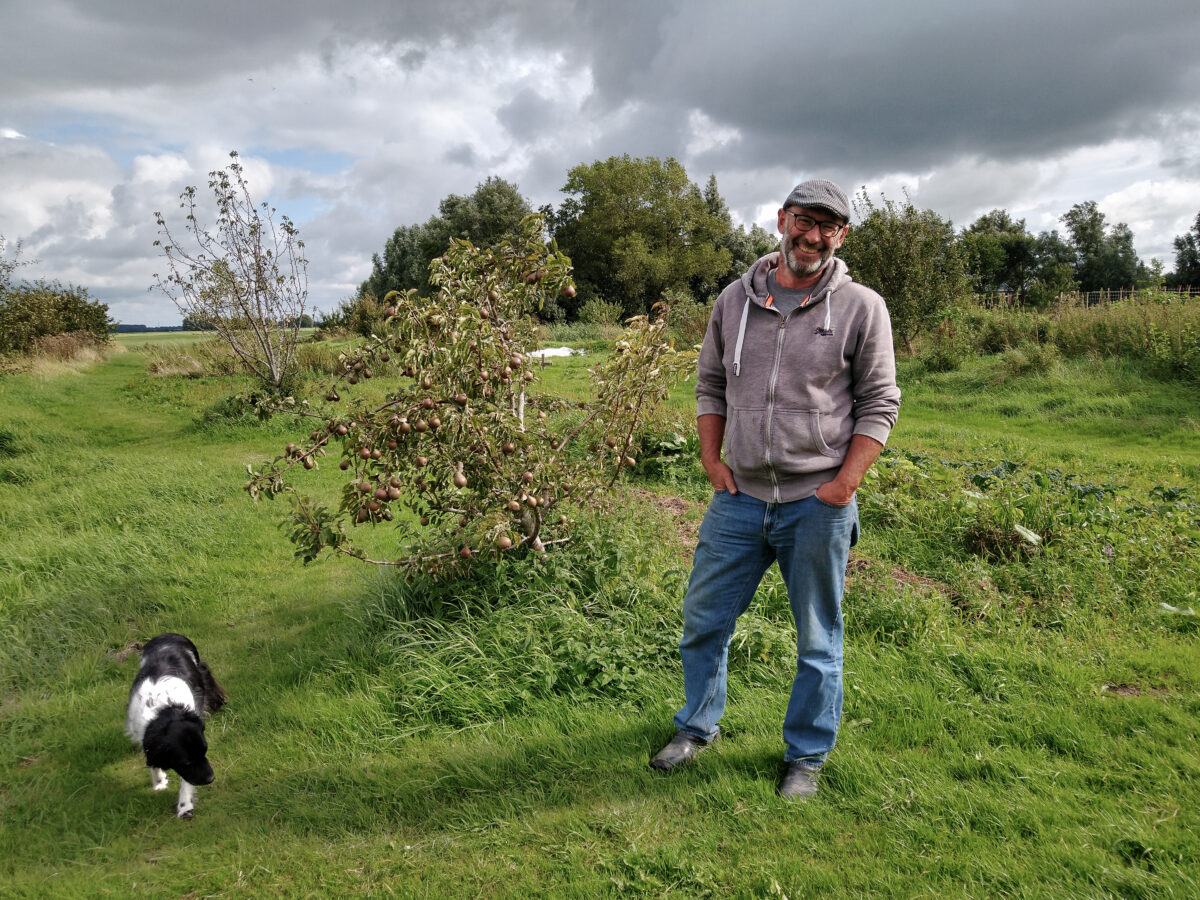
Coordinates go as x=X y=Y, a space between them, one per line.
x=214 y=694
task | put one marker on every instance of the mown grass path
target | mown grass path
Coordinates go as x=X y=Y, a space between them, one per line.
x=494 y=742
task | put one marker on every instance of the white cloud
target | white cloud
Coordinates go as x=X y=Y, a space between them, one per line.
x=1157 y=212
x=707 y=135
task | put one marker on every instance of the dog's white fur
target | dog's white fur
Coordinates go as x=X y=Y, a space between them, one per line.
x=171 y=694
x=146 y=701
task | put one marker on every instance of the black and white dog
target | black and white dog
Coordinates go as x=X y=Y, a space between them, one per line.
x=171 y=695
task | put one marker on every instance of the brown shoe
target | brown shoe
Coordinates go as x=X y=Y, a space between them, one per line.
x=681 y=749
x=799 y=782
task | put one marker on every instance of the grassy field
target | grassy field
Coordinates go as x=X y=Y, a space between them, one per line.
x=131 y=340
x=1021 y=712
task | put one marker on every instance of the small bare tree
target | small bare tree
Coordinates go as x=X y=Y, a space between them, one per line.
x=9 y=264
x=247 y=277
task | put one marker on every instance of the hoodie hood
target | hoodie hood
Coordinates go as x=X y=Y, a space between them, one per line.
x=754 y=280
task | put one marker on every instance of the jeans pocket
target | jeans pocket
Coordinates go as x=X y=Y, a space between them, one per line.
x=834 y=505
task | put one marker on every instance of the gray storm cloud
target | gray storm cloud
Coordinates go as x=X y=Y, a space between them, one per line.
x=1032 y=106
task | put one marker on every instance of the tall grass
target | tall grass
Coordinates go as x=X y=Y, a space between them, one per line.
x=212 y=356
x=1021 y=669
x=1157 y=330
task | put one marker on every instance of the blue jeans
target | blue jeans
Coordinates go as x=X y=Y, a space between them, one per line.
x=739 y=539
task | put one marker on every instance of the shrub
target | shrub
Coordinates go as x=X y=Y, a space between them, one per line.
x=999 y=329
x=40 y=309
x=600 y=312
x=947 y=348
x=361 y=316
x=1030 y=359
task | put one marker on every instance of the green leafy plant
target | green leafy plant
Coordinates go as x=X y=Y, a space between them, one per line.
x=461 y=457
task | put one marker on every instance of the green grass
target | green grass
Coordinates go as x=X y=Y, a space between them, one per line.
x=1097 y=415
x=1020 y=720
x=132 y=340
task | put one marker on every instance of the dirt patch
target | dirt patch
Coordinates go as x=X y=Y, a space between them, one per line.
x=862 y=567
x=1130 y=690
x=686 y=514
x=127 y=651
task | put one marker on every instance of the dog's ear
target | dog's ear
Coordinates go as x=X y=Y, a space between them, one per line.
x=159 y=741
x=175 y=740
x=172 y=735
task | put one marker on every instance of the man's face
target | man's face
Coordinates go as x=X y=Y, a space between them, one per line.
x=806 y=251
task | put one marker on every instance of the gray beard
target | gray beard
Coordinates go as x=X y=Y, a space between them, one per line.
x=785 y=247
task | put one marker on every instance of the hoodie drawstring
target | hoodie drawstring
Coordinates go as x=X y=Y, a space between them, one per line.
x=737 y=349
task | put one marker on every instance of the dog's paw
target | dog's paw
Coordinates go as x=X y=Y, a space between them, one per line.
x=158 y=780
x=184 y=811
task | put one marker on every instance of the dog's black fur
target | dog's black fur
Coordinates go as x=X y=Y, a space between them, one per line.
x=172 y=694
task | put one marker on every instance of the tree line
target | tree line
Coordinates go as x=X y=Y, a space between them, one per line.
x=638 y=228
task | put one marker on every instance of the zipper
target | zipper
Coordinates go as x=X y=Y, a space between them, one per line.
x=771 y=401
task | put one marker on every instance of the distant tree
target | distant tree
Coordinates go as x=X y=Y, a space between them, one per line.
x=1104 y=257
x=248 y=277
x=493 y=212
x=998 y=253
x=193 y=322
x=745 y=247
x=1053 y=270
x=401 y=267
x=1051 y=251
x=635 y=228
x=1052 y=282
x=910 y=256
x=1187 y=258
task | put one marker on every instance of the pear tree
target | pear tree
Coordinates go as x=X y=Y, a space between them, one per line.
x=463 y=456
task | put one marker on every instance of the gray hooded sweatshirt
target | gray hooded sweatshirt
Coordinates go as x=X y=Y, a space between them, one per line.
x=794 y=389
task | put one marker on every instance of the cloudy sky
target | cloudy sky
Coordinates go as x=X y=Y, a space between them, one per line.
x=356 y=117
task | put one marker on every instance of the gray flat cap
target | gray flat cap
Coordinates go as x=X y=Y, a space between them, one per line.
x=820 y=192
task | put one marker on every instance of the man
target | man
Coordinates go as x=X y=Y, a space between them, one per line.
x=797 y=379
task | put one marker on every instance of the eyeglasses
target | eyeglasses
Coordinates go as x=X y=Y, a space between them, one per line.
x=804 y=224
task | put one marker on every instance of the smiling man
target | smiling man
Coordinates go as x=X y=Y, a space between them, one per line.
x=797 y=383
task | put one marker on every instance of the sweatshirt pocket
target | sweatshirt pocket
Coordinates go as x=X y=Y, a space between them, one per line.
x=796 y=435
x=746 y=439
